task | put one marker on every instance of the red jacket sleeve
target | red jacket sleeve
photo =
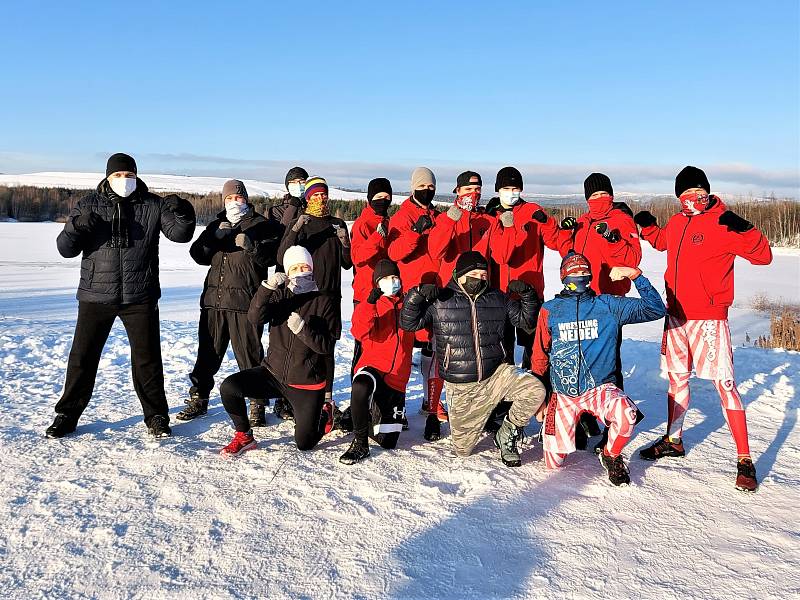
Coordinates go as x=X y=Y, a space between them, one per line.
x=401 y=241
x=540 y=360
x=657 y=236
x=365 y=245
x=502 y=242
x=627 y=252
x=363 y=321
x=441 y=235
x=752 y=246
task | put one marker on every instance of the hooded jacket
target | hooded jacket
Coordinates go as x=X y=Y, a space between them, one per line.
x=700 y=257
x=386 y=347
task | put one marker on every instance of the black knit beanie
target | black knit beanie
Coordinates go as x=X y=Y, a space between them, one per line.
x=295 y=173
x=376 y=186
x=691 y=177
x=384 y=268
x=469 y=261
x=120 y=162
x=597 y=182
x=508 y=177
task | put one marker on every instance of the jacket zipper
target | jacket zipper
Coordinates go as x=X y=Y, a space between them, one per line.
x=219 y=283
x=677 y=255
x=474 y=310
x=288 y=354
x=397 y=336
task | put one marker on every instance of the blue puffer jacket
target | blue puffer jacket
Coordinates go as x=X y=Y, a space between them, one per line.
x=576 y=335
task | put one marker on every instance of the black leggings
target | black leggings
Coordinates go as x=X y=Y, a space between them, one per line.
x=260 y=383
x=373 y=403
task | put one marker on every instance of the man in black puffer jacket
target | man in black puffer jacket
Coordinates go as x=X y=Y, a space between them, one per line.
x=239 y=246
x=468 y=320
x=300 y=321
x=117 y=229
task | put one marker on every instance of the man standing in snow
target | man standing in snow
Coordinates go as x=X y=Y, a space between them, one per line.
x=468 y=321
x=576 y=340
x=702 y=241
x=117 y=229
x=291 y=206
x=407 y=244
x=239 y=246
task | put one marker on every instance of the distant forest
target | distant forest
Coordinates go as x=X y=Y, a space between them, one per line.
x=778 y=219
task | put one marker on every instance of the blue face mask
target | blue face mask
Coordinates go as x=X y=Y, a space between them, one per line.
x=577 y=283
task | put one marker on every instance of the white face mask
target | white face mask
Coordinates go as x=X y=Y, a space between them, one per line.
x=509 y=198
x=302 y=283
x=296 y=190
x=389 y=286
x=234 y=211
x=123 y=186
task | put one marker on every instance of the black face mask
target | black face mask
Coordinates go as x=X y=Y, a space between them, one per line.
x=474 y=285
x=381 y=206
x=424 y=197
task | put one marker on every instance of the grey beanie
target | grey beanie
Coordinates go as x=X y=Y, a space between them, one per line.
x=422 y=176
x=234 y=187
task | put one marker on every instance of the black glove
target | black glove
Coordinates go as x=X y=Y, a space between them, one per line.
x=295 y=202
x=429 y=291
x=374 y=295
x=176 y=204
x=540 y=216
x=734 y=222
x=519 y=287
x=610 y=235
x=87 y=222
x=423 y=223
x=569 y=223
x=644 y=219
x=623 y=207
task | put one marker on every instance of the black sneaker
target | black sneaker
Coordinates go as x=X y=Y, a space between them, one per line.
x=196 y=406
x=618 y=473
x=346 y=420
x=358 y=451
x=746 y=475
x=283 y=409
x=433 y=430
x=158 y=426
x=663 y=448
x=62 y=425
x=258 y=414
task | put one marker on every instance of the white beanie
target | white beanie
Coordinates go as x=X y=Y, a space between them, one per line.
x=296 y=255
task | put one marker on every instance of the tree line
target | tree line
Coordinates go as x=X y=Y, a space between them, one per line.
x=779 y=219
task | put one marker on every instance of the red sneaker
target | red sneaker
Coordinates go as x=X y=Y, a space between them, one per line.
x=326 y=418
x=241 y=443
x=746 y=475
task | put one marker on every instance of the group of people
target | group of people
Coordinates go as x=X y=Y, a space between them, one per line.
x=463 y=284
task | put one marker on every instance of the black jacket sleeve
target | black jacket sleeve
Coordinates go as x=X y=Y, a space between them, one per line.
x=69 y=242
x=206 y=246
x=265 y=246
x=263 y=303
x=178 y=227
x=524 y=312
x=316 y=333
x=289 y=240
x=416 y=314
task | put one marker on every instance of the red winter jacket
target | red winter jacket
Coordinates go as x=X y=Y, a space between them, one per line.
x=517 y=252
x=367 y=247
x=451 y=238
x=602 y=255
x=700 y=255
x=385 y=346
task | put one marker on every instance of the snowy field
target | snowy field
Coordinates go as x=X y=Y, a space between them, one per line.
x=107 y=513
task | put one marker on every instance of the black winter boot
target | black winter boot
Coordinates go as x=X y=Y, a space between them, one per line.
x=158 y=426
x=283 y=409
x=506 y=439
x=196 y=406
x=433 y=430
x=258 y=416
x=62 y=425
x=358 y=451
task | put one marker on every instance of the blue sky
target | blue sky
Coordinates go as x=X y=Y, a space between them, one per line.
x=357 y=90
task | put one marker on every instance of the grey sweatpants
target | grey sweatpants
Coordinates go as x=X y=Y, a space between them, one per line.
x=470 y=404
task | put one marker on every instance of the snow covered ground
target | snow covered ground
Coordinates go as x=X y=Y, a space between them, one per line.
x=106 y=513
